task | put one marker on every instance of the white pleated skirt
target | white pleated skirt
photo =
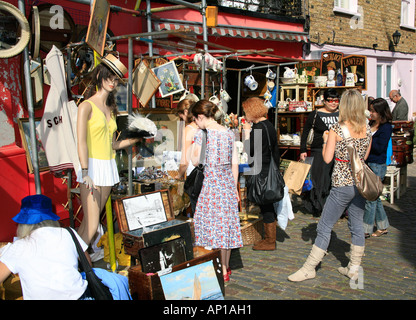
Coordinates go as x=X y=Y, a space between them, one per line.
x=103 y=173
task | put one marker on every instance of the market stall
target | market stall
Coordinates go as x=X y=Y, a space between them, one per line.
x=150 y=165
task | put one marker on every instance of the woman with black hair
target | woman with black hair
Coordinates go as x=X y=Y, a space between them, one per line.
x=320 y=120
x=381 y=129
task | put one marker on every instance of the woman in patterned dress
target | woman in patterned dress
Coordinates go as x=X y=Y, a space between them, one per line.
x=216 y=218
x=343 y=194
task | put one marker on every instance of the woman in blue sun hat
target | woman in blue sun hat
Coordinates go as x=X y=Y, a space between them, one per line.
x=44 y=256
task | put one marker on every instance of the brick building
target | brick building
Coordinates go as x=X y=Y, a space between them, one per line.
x=366 y=27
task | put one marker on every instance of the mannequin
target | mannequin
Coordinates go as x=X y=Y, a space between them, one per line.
x=96 y=137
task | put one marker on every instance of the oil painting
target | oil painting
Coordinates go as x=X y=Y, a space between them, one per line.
x=169 y=77
x=198 y=282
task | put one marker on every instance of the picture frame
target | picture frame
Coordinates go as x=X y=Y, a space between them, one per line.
x=357 y=65
x=145 y=83
x=169 y=77
x=331 y=60
x=23 y=124
x=97 y=27
x=121 y=97
x=311 y=68
x=163 y=255
x=144 y=210
x=198 y=282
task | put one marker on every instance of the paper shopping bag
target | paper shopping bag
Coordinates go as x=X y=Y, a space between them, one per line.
x=295 y=176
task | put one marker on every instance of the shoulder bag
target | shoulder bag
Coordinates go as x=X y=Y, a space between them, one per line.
x=193 y=182
x=311 y=133
x=369 y=185
x=98 y=290
x=269 y=189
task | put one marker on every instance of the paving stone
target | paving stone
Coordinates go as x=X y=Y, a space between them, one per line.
x=389 y=264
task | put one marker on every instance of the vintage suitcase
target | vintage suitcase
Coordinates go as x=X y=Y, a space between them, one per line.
x=147 y=286
x=148 y=219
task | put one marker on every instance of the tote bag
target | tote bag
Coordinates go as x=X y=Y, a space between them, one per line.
x=369 y=185
x=269 y=189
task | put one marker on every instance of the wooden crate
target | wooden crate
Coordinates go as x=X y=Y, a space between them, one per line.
x=147 y=286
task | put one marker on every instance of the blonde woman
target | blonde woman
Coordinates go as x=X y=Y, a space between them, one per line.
x=45 y=256
x=343 y=194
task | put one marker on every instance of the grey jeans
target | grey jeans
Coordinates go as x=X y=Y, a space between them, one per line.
x=339 y=199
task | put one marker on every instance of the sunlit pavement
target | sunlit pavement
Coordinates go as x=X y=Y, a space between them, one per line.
x=388 y=267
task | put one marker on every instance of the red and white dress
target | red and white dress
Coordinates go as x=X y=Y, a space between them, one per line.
x=216 y=218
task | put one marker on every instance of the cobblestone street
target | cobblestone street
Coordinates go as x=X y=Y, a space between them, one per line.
x=389 y=264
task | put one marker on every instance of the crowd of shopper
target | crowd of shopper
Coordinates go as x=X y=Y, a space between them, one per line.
x=216 y=211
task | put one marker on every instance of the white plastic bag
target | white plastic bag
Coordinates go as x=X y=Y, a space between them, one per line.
x=284 y=210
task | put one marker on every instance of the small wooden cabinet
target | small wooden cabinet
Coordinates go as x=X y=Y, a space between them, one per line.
x=295 y=92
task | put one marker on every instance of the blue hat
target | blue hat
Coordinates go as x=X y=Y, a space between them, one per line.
x=35 y=209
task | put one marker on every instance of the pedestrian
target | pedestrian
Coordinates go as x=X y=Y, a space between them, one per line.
x=96 y=127
x=343 y=194
x=186 y=166
x=381 y=129
x=216 y=218
x=44 y=256
x=401 y=110
x=320 y=120
x=256 y=144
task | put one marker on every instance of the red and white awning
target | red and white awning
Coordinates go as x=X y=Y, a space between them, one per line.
x=235 y=32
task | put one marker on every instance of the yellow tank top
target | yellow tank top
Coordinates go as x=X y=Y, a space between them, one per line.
x=100 y=135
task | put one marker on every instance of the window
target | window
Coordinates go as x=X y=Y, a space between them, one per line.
x=384 y=79
x=346 y=6
x=407 y=19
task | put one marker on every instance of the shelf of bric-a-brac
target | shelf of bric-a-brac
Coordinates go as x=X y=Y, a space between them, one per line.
x=314 y=91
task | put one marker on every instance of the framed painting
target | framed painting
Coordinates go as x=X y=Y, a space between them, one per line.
x=163 y=255
x=25 y=134
x=331 y=60
x=358 y=66
x=197 y=282
x=145 y=83
x=97 y=28
x=311 y=68
x=169 y=78
x=144 y=210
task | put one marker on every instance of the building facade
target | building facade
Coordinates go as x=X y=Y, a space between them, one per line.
x=366 y=27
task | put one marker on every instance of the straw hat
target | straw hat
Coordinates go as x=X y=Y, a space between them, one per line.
x=35 y=209
x=115 y=65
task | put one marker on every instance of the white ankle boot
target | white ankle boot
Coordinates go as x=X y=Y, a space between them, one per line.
x=308 y=269
x=351 y=270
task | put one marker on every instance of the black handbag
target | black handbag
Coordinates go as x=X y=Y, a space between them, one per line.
x=98 y=290
x=193 y=182
x=268 y=189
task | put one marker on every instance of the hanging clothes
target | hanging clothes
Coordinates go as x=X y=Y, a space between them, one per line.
x=57 y=128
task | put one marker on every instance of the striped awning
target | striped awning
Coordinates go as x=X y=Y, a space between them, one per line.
x=235 y=31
